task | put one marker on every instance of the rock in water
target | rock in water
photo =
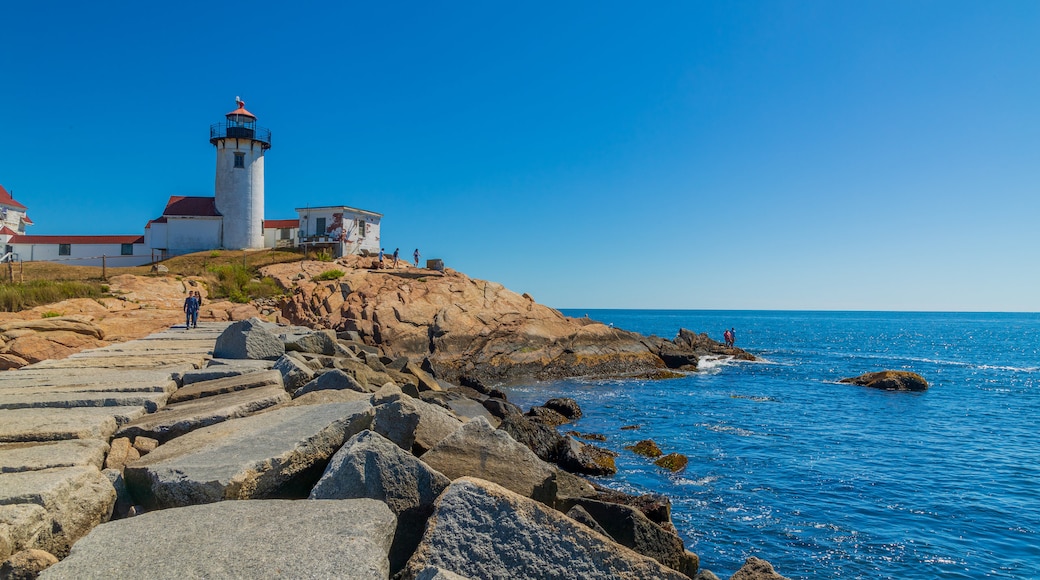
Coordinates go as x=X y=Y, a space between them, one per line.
x=890 y=381
x=757 y=569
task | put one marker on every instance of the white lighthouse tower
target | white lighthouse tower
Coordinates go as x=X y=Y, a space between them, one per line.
x=239 y=187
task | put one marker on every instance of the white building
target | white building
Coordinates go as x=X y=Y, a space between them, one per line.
x=344 y=230
x=116 y=251
x=188 y=224
x=281 y=233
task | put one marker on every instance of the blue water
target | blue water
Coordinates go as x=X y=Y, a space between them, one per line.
x=828 y=480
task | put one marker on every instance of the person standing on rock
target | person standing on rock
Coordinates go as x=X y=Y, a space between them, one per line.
x=380 y=258
x=732 y=336
x=397 y=254
x=415 y=255
x=726 y=337
x=191 y=309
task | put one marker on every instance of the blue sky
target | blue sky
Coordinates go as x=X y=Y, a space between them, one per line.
x=719 y=155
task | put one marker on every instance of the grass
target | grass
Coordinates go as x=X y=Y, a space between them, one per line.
x=228 y=274
x=16 y=297
x=329 y=275
x=187 y=265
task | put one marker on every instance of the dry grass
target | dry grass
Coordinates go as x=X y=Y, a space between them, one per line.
x=196 y=264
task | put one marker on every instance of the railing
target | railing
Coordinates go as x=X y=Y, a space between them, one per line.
x=218 y=131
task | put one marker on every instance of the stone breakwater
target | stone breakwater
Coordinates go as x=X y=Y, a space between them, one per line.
x=119 y=462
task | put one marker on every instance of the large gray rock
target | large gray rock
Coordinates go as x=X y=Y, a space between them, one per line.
x=319 y=342
x=74 y=499
x=414 y=425
x=324 y=397
x=478 y=450
x=277 y=454
x=482 y=530
x=371 y=466
x=180 y=418
x=22 y=425
x=227 y=384
x=239 y=539
x=16 y=457
x=631 y=528
x=249 y=339
x=295 y=373
x=333 y=380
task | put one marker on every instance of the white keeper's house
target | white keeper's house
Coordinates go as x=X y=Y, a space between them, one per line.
x=232 y=219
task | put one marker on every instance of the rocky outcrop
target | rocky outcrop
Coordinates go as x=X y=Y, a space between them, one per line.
x=890 y=381
x=471 y=329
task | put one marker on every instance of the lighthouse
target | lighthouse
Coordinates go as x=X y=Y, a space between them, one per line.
x=239 y=186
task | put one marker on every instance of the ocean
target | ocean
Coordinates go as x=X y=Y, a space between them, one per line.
x=829 y=480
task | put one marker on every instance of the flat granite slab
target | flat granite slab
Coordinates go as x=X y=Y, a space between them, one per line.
x=152 y=361
x=151 y=401
x=75 y=500
x=277 y=454
x=33 y=377
x=23 y=425
x=17 y=457
x=180 y=418
x=226 y=385
x=240 y=540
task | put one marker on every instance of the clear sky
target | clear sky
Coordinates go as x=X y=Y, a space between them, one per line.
x=720 y=155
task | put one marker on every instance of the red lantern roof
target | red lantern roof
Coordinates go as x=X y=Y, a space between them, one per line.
x=241 y=110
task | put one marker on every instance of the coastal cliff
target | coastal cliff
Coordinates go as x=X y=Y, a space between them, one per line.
x=474 y=330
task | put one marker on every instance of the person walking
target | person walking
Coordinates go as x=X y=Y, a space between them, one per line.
x=191 y=309
x=380 y=258
x=397 y=254
x=198 y=307
x=415 y=255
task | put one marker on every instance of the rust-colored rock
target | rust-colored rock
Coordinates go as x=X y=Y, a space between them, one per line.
x=467 y=328
x=890 y=381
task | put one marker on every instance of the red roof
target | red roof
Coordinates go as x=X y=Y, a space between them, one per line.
x=180 y=205
x=25 y=218
x=273 y=224
x=6 y=199
x=241 y=110
x=77 y=239
x=6 y=231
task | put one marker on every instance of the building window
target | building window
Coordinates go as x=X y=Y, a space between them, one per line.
x=240 y=160
x=360 y=228
x=64 y=249
x=285 y=234
x=319 y=226
x=126 y=249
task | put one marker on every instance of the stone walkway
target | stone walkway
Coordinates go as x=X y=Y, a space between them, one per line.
x=57 y=418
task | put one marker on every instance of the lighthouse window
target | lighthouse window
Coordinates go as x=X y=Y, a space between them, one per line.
x=240 y=159
x=64 y=249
